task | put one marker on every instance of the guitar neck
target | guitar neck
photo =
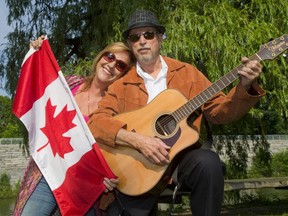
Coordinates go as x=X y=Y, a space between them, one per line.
x=196 y=102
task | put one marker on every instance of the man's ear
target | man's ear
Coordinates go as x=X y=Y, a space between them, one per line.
x=160 y=37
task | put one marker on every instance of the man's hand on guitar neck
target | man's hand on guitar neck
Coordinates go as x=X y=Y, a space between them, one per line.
x=249 y=73
x=153 y=149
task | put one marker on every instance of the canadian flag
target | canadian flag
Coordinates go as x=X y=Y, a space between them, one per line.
x=59 y=139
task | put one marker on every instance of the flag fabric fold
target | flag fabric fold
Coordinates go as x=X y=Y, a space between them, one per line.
x=59 y=139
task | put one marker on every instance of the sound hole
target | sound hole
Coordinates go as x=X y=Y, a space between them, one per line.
x=165 y=125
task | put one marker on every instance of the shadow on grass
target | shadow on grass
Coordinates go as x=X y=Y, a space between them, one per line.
x=276 y=208
x=279 y=208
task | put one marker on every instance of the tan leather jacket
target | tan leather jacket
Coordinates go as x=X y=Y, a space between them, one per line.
x=129 y=93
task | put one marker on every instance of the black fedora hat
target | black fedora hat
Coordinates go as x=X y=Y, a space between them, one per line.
x=143 y=18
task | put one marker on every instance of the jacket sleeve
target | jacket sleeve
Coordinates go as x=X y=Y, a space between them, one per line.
x=101 y=123
x=222 y=109
x=225 y=109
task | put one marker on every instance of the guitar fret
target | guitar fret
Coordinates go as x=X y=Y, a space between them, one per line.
x=186 y=110
x=221 y=83
x=208 y=92
x=176 y=115
x=205 y=95
x=197 y=100
x=183 y=112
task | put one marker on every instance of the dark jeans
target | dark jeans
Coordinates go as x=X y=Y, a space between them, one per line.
x=200 y=172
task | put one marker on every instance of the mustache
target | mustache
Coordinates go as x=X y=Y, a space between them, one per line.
x=144 y=48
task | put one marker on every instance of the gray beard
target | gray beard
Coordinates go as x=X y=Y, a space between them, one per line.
x=146 y=59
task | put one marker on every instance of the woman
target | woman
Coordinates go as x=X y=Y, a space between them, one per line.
x=35 y=196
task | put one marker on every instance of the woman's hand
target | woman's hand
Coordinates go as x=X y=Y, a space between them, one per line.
x=36 y=44
x=110 y=184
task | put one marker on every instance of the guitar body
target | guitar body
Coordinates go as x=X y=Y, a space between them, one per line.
x=136 y=174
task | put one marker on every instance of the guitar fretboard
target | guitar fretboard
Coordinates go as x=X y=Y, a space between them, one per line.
x=196 y=102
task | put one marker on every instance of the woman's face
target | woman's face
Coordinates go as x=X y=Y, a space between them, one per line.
x=112 y=66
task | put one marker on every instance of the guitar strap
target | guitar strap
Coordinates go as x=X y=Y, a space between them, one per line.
x=208 y=141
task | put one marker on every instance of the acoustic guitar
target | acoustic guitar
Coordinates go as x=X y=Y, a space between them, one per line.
x=166 y=118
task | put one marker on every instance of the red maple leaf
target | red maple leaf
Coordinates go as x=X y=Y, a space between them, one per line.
x=56 y=127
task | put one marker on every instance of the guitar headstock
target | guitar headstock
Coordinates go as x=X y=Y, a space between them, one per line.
x=273 y=48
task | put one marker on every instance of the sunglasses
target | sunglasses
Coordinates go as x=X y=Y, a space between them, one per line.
x=149 y=35
x=120 y=65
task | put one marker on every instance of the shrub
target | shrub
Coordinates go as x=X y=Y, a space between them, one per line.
x=280 y=164
x=6 y=190
x=277 y=167
x=5 y=187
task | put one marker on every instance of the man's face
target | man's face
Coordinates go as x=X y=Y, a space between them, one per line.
x=147 y=48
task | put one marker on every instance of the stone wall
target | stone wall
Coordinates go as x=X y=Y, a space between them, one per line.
x=277 y=143
x=13 y=162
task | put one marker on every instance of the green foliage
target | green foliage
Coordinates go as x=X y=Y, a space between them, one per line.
x=6 y=190
x=9 y=124
x=246 y=198
x=271 y=166
x=278 y=166
x=236 y=150
x=211 y=34
x=83 y=67
x=262 y=158
x=257 y=121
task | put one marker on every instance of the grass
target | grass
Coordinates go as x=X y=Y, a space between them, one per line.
x=275 y=208
x=279 y=208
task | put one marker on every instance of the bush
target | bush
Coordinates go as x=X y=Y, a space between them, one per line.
x=278 y=167
x=280 y=164
x=5 y=187
x=6 y=190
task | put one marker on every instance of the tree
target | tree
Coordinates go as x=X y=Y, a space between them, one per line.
x=212 y=35
x=9 y=124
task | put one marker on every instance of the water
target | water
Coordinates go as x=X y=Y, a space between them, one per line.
x=6 y=206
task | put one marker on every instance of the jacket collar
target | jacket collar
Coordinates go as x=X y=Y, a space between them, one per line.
x=173 y=66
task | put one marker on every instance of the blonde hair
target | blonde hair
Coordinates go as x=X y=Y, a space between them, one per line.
x=113 y=47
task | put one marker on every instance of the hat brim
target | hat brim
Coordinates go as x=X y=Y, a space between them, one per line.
x=160 y=28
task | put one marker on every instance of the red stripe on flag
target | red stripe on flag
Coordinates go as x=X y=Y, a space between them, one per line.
x=76 y=182
x=32 y=84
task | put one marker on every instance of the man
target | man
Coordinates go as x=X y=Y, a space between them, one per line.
x=199 y=170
